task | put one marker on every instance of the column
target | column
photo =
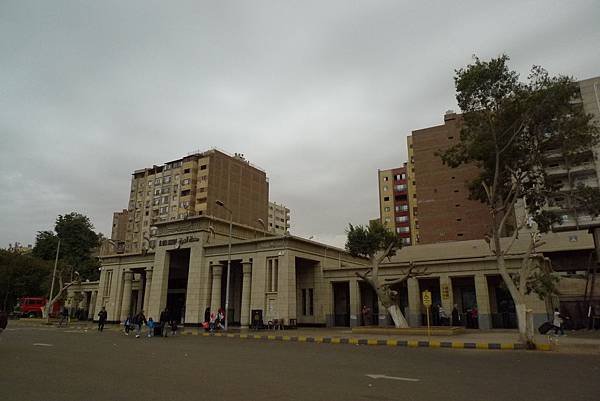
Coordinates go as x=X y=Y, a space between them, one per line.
x=140 y=295
x=147 y=288
x=414 y=302
x=92 y=306
x=160 y=282
x=354 y=303
x=246 y=286
x=198 y=280
x=215 y=297
x=126 y=304
x=483 y=301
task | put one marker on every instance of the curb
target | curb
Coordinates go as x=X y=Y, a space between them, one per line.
x=374 y=342
x=339 y=340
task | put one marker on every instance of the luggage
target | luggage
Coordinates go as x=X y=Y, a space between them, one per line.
x=545 y=327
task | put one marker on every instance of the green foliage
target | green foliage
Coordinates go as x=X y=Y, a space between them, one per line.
x=22 y=275
x=366 y=241
x=78 y=240
x=511 y=128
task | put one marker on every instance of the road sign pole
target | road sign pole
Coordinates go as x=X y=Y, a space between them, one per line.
x=428 y=325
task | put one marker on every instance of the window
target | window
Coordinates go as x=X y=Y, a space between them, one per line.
x=187 y=170
x=185 y=193
x=401 y=187
x=387 y=209
x=307 y=302
x=204 y=178
x=272 y=274
x=167 y=179
x=164 y=209
x=203 y=167
x=157 y=181
x=202 y=200
x=165 y=190
x=386 y=198
x=156 y=202
x=385 y=188
x=401 y=219
x=402 y=229
x=157 y=191
x=186 y=181
x=387 y=219
x=385 y=178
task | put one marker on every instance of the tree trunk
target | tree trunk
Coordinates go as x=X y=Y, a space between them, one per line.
x=397 y=316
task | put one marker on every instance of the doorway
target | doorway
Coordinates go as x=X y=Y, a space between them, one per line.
x=369 y=306
x=235 y=292
x=465 y=298
x=341 y=303
x=179 y=266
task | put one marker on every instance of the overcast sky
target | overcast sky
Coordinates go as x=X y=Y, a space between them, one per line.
x=319 y=94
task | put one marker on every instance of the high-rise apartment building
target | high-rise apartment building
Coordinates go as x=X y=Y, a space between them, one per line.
x=119 y=226
x=190 y=186
x=279 y=219
x=443 y=210
x=586 y=171
x=394 y=209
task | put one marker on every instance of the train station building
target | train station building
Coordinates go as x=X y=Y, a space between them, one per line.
x=303 y=282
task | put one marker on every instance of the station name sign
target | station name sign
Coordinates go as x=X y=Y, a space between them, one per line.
x=178 y=241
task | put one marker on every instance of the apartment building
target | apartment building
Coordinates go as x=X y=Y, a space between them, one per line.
x=279 y=219
x=394 y=208
x=586 y=171
x=190 y=186
x=119 y=226
x=443 y=210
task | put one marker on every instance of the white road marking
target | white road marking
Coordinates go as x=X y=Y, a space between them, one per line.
x=406 y=379
x=42 y=345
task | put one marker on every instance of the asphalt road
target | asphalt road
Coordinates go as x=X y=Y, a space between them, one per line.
x=50 y=364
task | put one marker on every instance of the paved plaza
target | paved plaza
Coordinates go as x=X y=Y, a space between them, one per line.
x=47 y=363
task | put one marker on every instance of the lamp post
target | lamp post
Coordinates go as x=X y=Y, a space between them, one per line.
x=264 y=226
x=220 y=203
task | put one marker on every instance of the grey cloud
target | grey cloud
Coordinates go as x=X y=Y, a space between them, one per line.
x=319 y=94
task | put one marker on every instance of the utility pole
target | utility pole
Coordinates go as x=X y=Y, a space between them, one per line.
x=49 y=306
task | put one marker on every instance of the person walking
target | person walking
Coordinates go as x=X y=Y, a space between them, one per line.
x=150 y=325
x=164 y=322
x=64 y=317
x=221 y=318
x=557 y=322
x=128 y=324
x=139 y=321
x=102 y=316
x=366 y=315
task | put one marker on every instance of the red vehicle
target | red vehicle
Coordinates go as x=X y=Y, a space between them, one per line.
x=32 y=307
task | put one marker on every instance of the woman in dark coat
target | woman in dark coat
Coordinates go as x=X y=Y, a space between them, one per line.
x=206 y=319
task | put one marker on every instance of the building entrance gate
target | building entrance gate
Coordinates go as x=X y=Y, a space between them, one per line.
x=179 y=266
x=341 y=303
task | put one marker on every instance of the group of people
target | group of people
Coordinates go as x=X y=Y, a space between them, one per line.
x=213 y=321
x=138 y=321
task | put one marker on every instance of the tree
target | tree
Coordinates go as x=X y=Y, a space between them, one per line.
x=376 y=242
x=78 y=241
x=512 y=130
x=22 y=275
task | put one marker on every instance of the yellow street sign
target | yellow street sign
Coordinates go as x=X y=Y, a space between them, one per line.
x=427 y=299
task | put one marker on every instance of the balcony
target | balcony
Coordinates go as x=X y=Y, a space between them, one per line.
x=560 y=170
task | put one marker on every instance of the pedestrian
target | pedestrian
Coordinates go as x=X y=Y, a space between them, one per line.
x=3 y=320
x=164 y=322
x=475 y=317
x=455 y=316
x=173 y=327
x=213 y=322
x=128 y=324
x=221 y=318
x=102 y=316
x=366 y=315
x=150 y=325
x=557 y=322
x=64 y=317
x=139 y=321
x=206 y=322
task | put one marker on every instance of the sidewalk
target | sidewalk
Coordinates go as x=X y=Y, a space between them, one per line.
x=575 y=342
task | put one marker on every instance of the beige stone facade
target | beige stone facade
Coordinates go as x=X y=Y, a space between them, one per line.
x=279 y=219
x=301 y=281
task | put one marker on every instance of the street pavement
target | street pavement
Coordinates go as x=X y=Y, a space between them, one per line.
x=47 y=363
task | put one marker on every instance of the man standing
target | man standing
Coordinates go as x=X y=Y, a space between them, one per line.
x=102 y=316
x=64 y=317
x=139 y=320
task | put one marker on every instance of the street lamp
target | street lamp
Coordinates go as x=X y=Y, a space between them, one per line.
x=264 y=226
x=220 y=203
